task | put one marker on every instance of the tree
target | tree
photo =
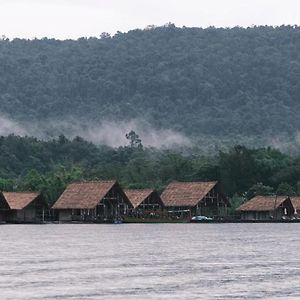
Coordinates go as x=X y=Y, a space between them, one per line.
x=189 y=80
x=6 y=184
x=285 y=189
x=238 y=169
x=259 y=189
x=51 y=184
x=134 y=139
x=105 y=35
x=236 y=201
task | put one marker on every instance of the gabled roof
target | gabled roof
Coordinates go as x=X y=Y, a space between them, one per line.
x=186 y=193
x=137 y=197
x=84 y=195
x=19 y=200
x=296 y=202
x=263 y=203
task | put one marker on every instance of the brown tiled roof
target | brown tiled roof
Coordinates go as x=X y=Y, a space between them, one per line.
x=136 y=197
x=262 y=203
x=296 y=202
x=19 y=200
x=83 y=195
x=186 y=193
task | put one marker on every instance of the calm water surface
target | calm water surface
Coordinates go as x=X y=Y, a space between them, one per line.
x=150 y=261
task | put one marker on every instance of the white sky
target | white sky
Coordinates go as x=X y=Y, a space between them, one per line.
x=76 y=18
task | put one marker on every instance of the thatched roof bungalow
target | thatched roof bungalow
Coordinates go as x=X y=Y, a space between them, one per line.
x=145 y=202
x=22 y=207
x=195 y=198
x=92 y=201
x=266 y=208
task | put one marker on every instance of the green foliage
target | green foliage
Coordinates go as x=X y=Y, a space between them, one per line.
x=259 y=189
x=6 y=184
x=237 y=83
x=285 y=189
x=236 y=201
x=234 y=84
x=238 y=169
x=51 y=184
x=48 y=166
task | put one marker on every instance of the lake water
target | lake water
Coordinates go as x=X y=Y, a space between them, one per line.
x=150 y=261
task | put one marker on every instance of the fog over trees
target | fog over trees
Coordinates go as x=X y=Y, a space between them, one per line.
x=207 y=84
x=206 y=87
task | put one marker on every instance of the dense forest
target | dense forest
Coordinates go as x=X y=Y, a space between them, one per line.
x=215 y=86
x=48 y=166
x=209 y=84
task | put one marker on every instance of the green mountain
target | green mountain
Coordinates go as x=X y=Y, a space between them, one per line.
x=221 y=84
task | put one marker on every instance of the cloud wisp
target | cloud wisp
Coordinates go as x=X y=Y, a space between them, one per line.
x=108 y=133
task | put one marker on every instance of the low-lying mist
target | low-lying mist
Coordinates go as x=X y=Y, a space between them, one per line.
x=8 y=126
x=112 y=133
x=108 y=133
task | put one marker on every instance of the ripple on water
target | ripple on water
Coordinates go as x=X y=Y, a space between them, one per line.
x=150 y=261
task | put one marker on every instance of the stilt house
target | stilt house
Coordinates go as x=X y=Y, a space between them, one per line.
x=23 y=207
x=267 y=208
x=92 y=201
x=145 y=203
x=187 y=199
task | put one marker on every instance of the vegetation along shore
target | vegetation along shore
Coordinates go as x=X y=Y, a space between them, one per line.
x=48 y=167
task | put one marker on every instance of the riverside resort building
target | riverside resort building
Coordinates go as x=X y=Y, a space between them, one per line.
x=23 y=208
x=146 y=203
x=266 y=208
x=98 y=201
x=187 y=199
x=106 y=201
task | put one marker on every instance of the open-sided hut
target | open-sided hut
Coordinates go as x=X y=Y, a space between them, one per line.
x=266 y=208
x=145 y=203
x=92 y=201
x=23 y=207
x=187 y=199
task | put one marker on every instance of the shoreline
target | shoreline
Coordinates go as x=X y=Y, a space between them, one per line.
x=156 y=222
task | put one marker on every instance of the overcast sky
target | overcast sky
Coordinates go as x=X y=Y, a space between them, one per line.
x=76 y=18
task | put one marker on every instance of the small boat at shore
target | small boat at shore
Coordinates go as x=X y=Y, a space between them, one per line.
x=118 y=221
x=201 y=219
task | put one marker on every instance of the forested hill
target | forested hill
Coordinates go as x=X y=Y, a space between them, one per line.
x=200 y=82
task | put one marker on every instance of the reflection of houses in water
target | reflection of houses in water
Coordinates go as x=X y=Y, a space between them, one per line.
x=145 y=203
x=186 y=199
x=92 y=201
x=23 y=207
x=267 y=208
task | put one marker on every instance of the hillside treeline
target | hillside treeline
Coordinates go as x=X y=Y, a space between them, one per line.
x=48 y=166
x=213 y=82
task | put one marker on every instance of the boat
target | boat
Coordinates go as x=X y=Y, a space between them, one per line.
x=201 y=219
x=118 y=221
